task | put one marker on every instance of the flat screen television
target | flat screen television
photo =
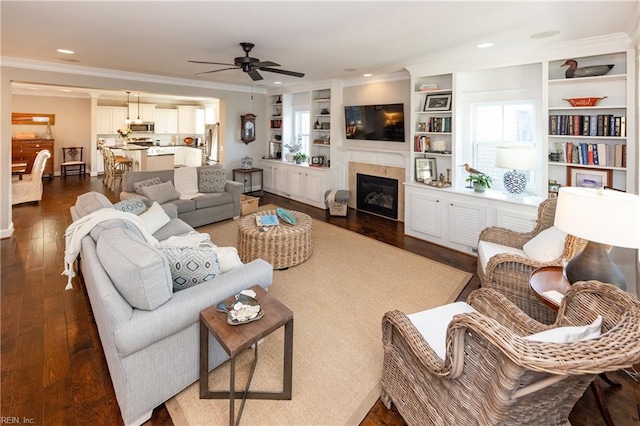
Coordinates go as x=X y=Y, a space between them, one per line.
x=383 y=122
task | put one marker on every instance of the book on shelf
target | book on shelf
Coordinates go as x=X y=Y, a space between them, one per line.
x=267 y=220
x=623 y=126
x=611 y=154
x=593 y=125
x=569 y=152
x=602 y=154
x=594 y=149
x=618 y=156
x=575 y=159
x=587 y=125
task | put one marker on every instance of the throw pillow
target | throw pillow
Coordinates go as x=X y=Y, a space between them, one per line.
x=568 y=334
x=433 y=323
x=131 y=205
x=137 y=186
x=211 y=179
x=228 y=258
x=154 y=218
x=191 y=266
x=546 y=246
x=90 y=202
x=138 y=271
x=161 y=193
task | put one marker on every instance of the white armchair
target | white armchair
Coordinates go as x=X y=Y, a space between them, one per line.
x=30 y=187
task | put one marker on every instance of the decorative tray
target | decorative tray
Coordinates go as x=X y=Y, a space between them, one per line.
x=246 y=309
x=286 y=216
x=584 y=102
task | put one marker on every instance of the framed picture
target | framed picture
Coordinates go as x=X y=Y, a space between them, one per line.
x=437 y=102
x=589 y=178
x=426 y=169
x=554 y=187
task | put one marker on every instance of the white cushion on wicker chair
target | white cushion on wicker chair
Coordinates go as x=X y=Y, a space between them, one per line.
x=569 y=334
x=486 y=250
x=433 y=323
x=547 y=246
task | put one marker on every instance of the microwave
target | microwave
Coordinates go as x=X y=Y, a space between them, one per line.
x=143 y=127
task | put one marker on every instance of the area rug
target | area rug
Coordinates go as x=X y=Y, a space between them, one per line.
x=338 y=297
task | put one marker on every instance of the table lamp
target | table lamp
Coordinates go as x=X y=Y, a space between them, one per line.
x=517 y=158
x=603 y=217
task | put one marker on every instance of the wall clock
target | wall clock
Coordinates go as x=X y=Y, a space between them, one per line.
x=248 y=128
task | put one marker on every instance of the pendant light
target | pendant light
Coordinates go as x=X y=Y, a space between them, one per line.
x=128 y=120
x=138 y=120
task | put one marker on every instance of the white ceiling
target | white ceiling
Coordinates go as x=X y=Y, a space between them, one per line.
x=323 y=39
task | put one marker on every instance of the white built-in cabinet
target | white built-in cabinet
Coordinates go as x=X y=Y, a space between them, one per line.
x=110 y=119
x=453 y=219
x=166 y=121
x=298 y=182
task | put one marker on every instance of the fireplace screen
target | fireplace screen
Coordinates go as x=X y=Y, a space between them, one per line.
x=377 y=195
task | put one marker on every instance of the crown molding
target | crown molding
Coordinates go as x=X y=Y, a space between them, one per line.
x=508 y=57
x=8 y=61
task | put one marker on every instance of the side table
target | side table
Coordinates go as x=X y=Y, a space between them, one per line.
x=247 y=180
x=236 y=338
x=550 y=278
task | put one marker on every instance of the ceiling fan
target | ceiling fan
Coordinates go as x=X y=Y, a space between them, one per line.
x=250 y=65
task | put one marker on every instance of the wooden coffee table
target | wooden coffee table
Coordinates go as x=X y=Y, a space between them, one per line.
x=236 y=338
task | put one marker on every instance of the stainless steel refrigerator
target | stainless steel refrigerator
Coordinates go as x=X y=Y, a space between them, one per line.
x=212 y=143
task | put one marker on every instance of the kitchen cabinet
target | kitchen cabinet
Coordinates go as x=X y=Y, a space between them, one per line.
x=298 y=182
x=99 y=166
x=190 y=120
x=192 y=157
x=166 y=121
x=110 y=119
x=147 y=112
x=26 y=150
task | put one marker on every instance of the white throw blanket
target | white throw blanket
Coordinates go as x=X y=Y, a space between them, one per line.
x=186 y=182
x=192 y=239
x=81 y=227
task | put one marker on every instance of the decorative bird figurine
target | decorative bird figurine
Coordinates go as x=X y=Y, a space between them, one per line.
x=591 y=71
x=471 y=170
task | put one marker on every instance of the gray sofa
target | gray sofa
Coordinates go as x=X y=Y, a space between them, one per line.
x=151 y=354
x=202 y=210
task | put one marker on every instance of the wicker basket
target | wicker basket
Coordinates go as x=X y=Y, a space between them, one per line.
x=248 y=204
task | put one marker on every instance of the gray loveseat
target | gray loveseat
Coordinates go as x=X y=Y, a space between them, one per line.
x=151 y=354
x=205 y=209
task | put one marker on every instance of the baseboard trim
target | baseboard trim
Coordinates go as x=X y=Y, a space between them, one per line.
x=7 y=233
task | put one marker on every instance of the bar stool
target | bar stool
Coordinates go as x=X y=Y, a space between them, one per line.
x=116 y=166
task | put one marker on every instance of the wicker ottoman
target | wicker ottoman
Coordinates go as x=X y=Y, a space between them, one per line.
x=281 y=245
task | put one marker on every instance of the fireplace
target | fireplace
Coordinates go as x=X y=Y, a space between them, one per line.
x=379 y=195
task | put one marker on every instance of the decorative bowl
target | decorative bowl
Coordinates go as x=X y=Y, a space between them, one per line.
x=188 y=140
x=584 y=102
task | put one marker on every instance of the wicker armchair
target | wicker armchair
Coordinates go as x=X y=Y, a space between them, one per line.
x=509 y=273
x=491 y=375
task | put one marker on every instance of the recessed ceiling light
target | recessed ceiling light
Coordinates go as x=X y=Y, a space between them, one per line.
x=277 y=82
x=367 y=75
x=545 y=34
x=484 y=45
x=65 y=90
x=67 y=51
x=33 y=88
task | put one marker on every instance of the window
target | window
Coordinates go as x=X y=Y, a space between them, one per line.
x=301 y=127
x=501 y=123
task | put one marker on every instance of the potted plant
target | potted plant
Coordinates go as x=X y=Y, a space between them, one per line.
x=299 y=157
x=479 y=181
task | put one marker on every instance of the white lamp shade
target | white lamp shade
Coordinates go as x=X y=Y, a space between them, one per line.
x=600 y=215
x=515 y=157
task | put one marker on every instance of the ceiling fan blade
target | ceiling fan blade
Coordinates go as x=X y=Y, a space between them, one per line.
x=255 y=75
x=265 y=64
x=223 y=69
x=285 y=72
x=210 y=63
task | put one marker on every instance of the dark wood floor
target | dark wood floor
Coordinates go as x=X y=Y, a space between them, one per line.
x=53 y=370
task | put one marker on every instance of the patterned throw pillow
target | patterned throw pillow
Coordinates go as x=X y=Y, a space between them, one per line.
x=191 y=266
x=137 y=187
x=212 y=179
x=131 y=205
